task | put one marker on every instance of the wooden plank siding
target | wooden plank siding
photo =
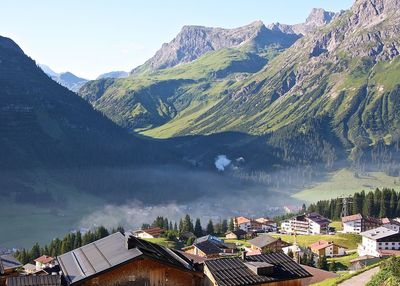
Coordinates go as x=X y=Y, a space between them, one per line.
x=144 y=272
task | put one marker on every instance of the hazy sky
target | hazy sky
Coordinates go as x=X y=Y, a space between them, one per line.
x=90 y=37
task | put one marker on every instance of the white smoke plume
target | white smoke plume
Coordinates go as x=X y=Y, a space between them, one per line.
x=221 y=162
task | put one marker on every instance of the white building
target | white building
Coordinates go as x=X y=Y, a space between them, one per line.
x=381 y=241
x=327 y=249
x=358 y=223
x=311 y=223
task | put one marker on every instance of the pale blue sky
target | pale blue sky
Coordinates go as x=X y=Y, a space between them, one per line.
x=90 y=37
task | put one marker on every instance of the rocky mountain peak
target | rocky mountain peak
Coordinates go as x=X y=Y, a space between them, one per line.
x=319 y=17
x=371 y=12
x=194 y=41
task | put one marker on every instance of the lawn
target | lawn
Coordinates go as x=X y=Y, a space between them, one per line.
x=337 y=225
x=345 y=182
x=240 y=243
x=344 y=239
x=343 y=262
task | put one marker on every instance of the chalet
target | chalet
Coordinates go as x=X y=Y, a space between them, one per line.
x=44 y=261
x=127 y=260
x=236 y=234
x=33 y=280
x=379 y=242
x=267 y=221
x=358 y=223
x=206 y=249
x=265 y=243
x=275 y=269
x=312 y=223
x=152 y=232
x=247 y=224
x=327 y=248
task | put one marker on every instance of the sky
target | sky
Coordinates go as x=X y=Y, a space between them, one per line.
x=91 y=37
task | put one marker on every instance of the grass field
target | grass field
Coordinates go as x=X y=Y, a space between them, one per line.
x=337 y=225
x=343 y=262
x=345 y=182
x=347 y=240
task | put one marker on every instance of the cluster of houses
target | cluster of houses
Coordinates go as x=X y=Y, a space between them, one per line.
x=123 y=259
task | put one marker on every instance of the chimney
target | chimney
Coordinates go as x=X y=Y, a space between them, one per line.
x=244 y=255
x=129 y=242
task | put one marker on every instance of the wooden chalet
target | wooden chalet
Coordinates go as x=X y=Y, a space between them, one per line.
x=8 y=267
x=127 y=260
x=152 y=232
x=266 y=243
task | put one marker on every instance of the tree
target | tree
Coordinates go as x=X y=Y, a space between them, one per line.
x=210 y=227
x=35 y=251
x=231 y=226
x=393 y=204
x=332 y=266
x=101 y=232
x=198 y=230
x=224 y=226
x=190 y=241
x=357 y=203
x=322 y=263
x=368 y=206
x=187 y=225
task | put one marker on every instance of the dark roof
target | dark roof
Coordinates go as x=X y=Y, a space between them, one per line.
x=8 y=261
x=234 y=272
x=207 y=238
x=317 y=218
x=237 y=232
x=208 y=247
x=30 y=280
x=262 y=240
x=111 y=251
x=285 y=267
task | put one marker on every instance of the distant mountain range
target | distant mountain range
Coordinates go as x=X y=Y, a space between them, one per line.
x=73 y=82
x=340 y=70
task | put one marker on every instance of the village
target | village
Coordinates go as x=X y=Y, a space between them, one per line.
x=303 y=249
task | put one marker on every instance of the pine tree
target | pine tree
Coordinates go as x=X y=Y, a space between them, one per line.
x=224 y=226
x=231 y=226
x=368 y=206
x=392 y=204
x=210 y=227
x=357 y=203
x=35 y=251
x=198 y=230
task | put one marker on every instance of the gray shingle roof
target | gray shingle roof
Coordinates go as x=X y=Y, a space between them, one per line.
x=8 y=261
x=262 y=240
x=30 y=280
x=208 y=247
x=109 y=252
x=234 y=272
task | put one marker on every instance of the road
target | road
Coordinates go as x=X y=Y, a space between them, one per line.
x=361 y=279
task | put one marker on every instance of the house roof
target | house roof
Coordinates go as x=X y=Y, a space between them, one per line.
x=8 y=261
x=318 y=275
x=154 y=231
x=262 y=240
x=321 y=244
x=31 y=280
x=110 y=252
x=352 y=217
x=317 y=218
x=208 y=247
x=29 y=267
x=234 y=272
x=378 y=233
x=237 y=232
x=208 y=237
x=242 y=219
x=44 y=259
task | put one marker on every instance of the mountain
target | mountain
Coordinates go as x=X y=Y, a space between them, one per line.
x=67 y=79
x=195 y=41
x=317 y=18
x=342 y=76
x=113 y=74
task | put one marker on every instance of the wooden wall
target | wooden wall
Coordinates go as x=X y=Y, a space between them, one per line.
x=144 y=272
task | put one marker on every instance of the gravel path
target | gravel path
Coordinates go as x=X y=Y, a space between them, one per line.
x=361 y=279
